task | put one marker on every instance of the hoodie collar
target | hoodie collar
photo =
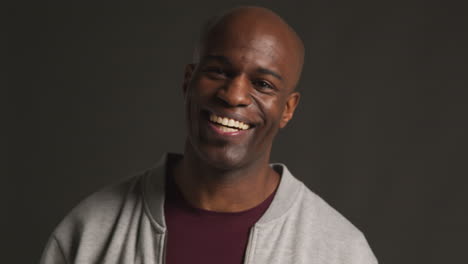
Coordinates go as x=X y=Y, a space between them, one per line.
x=153 y=187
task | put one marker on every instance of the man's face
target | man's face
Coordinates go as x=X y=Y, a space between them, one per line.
x=238 y=96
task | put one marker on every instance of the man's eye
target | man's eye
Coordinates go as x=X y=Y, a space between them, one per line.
x=214 y=70
x=262 y=84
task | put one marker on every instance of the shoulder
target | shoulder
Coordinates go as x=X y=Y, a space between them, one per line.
x=100 y=224
x=295 y=202
x=95 y=216
x=105 y=203
x=321 y=224
x=312 y=207
x=314 y=228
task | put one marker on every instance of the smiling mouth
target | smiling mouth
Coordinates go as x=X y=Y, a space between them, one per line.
x=228 y=124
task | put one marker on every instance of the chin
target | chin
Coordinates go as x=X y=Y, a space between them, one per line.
x=223 y=158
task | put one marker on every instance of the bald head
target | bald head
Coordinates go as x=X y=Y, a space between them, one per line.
x=253 y=24
x=247 y=69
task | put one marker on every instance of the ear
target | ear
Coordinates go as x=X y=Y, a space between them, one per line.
x=189 y=68
x=290 y=107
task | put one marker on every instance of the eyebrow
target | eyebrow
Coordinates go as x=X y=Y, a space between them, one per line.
x=261 y=70
x=270 y=72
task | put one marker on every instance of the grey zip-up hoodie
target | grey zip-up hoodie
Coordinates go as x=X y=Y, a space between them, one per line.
x=125 y=224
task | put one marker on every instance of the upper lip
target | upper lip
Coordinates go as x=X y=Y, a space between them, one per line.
x=231 y=115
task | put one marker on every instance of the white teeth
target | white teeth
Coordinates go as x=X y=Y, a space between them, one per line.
x=228 y=122
x=227 y=129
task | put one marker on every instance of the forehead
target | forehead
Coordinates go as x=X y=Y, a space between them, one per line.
x=247 y=47
x=254 y=47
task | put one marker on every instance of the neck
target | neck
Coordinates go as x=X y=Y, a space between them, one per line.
x=210 y=188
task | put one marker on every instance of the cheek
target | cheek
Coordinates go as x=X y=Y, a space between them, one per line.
x=203 y=89
x=271 y=110
x=192 y=102
x=197 y=90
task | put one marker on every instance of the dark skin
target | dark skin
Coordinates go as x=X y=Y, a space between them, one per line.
x=248 y=66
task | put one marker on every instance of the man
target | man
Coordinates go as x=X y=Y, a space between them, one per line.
x=221 y=202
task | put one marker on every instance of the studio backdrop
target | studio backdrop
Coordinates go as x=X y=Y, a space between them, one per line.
x=380 y=132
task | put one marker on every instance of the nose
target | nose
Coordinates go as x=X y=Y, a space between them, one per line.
x=236 y=92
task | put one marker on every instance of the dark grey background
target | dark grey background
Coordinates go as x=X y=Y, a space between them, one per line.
x=380 y=132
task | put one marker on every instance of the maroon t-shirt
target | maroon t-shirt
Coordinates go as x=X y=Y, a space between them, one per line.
x=200 y=236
